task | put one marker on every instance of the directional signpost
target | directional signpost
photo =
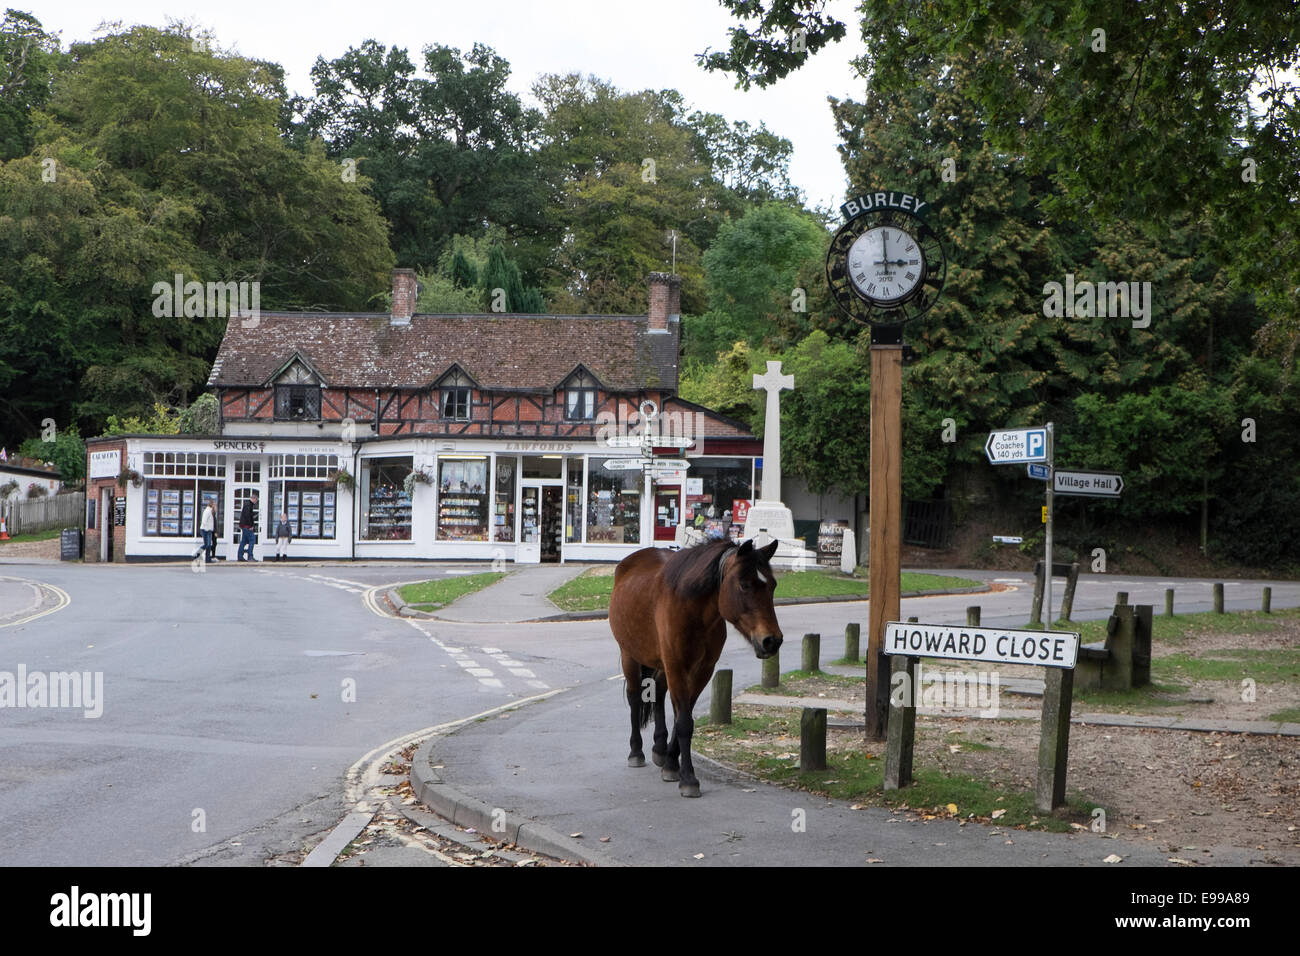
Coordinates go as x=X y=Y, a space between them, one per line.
x=636 y=464
x=1018 y=446
x=1092 y=484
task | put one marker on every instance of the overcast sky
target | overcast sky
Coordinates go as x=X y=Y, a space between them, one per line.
x=636 y=44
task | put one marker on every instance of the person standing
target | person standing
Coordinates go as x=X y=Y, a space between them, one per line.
x=247 y=525
x=283 y=535
x=208 y=525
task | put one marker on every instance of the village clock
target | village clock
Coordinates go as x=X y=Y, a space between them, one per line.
x=886 y=265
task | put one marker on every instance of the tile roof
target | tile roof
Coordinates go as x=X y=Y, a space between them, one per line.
x=504 y=352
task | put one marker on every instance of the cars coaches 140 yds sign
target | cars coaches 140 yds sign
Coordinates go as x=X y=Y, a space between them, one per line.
x=992 y=645
x=886 y=266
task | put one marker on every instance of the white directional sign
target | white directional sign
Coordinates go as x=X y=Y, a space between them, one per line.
x=656 y=464
x=1016 y=447
x=993 y=645
x=1099 y=484
x=656 y=441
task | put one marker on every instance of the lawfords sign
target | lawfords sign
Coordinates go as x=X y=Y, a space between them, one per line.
x=991 y=645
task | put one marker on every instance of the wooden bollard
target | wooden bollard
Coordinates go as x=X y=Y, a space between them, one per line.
x=913 y=620
x=1121 y=597
x=1218 y=597
x=1266 y=603
x=772 y=670
x=852 y=636
x=812 y=739
x=1169 y=602
x=973 y=616
x=720 y=706
x=812 y=653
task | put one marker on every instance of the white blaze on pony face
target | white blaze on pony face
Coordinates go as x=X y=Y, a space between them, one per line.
x=745 y=597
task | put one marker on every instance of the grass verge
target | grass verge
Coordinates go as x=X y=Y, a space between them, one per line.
x=431 y=595
x=34 y=536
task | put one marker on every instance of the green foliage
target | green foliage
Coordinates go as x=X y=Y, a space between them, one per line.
x=29 y=58
x=440 y=295
x=67 y=452
x=202 y=417
x=726 y=384
x=825 y=420
x=160 y=421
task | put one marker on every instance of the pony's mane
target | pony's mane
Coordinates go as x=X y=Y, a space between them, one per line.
x=693 y=572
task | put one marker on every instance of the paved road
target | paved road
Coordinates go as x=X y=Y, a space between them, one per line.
x=224 y=700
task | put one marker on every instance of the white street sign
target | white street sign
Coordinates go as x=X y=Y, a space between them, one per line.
x=653 y=464
x=1097 y=484
x=655 y=441
x=1017 y=446
x=992 y=645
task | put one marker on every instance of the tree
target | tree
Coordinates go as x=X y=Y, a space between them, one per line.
x=29 y=58
x=67 y=452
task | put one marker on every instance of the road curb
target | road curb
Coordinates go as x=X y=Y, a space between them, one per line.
x=464 y=810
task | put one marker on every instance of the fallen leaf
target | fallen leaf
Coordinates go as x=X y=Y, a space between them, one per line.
x=1113 y=858
x=872 y=859
x=577 y=835
x=604 y=839
x=952 y=808
x=998 y=814
x=1181 y=862
x=699 y=856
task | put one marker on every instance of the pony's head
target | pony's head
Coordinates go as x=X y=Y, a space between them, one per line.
x=745 y=586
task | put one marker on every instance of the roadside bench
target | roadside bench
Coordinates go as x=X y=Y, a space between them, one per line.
x=1123 y=660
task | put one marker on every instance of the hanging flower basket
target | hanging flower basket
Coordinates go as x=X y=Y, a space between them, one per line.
x=131 y=475
x=343 y=478
x=419 y=476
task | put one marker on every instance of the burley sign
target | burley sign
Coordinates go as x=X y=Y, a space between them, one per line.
x=883 y=200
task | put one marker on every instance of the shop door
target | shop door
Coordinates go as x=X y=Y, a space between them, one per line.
x=552 y=522
x=668 y=513
x=106 y=525
x=529 y=549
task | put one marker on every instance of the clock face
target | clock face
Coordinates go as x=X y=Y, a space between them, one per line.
x=886 y=264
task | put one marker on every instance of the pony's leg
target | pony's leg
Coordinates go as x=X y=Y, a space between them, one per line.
x=659 y=753
x=632 y=676
x=683 y=730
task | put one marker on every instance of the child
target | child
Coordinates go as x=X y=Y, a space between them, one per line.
x=282 y=537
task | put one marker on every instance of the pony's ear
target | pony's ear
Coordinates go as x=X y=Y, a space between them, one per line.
x=768 y=551
x=745 y=548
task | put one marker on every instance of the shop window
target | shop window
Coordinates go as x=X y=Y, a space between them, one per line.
x=171 y=508
x=503 y=512
x=462 y=498
x=309 y=506
x=386 y=507
x=613 y=506
x=573 y=509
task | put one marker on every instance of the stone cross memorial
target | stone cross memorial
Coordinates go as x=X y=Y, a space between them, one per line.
x=769 y=518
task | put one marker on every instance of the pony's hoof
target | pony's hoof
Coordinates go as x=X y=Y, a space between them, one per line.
x=689 y=789
x=658 y=758
x=636 y=760
x=668 y=776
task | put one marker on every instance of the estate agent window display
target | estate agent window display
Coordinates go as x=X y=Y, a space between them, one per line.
x=176 y=486
x=298 y=489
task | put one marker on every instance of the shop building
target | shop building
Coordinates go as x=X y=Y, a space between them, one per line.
x=404 y=435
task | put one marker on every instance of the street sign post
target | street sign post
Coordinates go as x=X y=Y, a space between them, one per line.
x=636 y=464
x=1092 y=484
x=1018 y=446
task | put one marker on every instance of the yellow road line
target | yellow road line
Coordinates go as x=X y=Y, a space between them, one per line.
x=64 y=600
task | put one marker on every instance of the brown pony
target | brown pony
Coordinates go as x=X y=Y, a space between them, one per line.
x=668 y=613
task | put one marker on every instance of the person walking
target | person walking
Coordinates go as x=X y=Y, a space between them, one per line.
x=208 y=525
x=283 y=535
x=247 y=526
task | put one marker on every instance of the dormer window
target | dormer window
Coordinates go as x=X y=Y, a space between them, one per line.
x=297 y=394
x=456 y=389
x=580 y=397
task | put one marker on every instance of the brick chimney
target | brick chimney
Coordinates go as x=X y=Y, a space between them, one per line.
x=665 y=300
x=405 y=290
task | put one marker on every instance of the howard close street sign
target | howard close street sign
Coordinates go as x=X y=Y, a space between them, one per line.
x=990 y=645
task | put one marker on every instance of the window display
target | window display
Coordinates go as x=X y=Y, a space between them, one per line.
x=613 y=506
x=462 y=499
x=573 y=502
x=387 y=507
x=503 y=513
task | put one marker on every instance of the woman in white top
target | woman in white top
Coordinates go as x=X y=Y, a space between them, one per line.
x=208 y=525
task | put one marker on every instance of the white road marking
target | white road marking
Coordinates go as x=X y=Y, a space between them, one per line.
x=64 y=600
